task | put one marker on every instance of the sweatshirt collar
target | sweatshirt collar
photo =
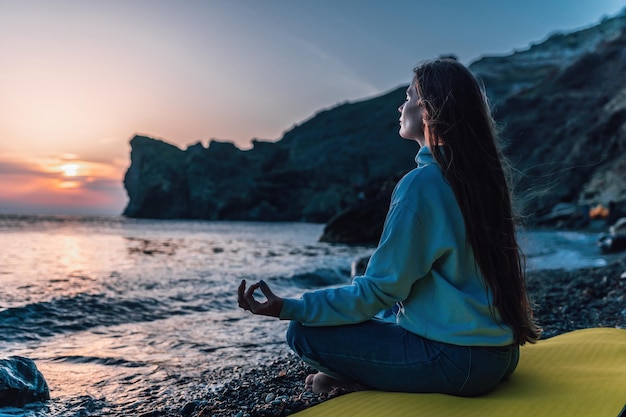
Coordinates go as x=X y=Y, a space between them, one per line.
x=424 y=157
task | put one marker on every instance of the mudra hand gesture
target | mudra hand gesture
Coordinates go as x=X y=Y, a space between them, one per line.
x=271 y=307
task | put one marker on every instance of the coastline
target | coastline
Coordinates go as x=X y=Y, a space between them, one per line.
x=565 y=300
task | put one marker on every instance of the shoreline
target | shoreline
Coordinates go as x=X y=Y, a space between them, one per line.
x=565 y=300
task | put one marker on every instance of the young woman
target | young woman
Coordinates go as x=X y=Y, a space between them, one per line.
x=448 y=259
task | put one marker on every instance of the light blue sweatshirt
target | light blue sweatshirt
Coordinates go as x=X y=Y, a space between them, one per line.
x=423 y=262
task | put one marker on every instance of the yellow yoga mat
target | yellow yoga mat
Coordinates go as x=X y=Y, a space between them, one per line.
x=582 y=373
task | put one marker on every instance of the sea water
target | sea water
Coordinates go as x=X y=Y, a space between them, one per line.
x=125 y=316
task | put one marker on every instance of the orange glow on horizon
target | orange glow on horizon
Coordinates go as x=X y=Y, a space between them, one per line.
x=61 y=184
x=69 y=184
x=77 y=173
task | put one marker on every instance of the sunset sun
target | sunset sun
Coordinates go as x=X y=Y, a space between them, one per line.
x=69 y=170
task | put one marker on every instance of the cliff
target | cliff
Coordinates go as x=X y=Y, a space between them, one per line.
x=561 y=105
x=316 y=170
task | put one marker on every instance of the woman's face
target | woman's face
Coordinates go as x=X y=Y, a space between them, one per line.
x=412 y=114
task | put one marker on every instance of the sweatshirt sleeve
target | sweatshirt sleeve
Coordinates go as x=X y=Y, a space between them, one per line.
x=398 y=262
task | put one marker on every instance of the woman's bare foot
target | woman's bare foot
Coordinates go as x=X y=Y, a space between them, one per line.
x=308 y=382
x=320 y=383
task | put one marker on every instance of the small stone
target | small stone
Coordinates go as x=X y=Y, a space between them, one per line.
x=282 y=374
x=623 y=276
x=307 y=395
x=270 y=397
x=190 y=407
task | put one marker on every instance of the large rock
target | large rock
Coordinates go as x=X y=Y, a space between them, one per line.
x=363 y=222
x=21 y=382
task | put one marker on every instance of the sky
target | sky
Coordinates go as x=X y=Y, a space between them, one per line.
x=79 y=78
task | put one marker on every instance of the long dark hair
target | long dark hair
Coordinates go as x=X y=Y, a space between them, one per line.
x=463 y=140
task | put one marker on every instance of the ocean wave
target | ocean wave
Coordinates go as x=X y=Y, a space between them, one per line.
x=79 y=359
x=81 y=312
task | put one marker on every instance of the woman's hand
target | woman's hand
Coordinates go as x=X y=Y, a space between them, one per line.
x=271 y=307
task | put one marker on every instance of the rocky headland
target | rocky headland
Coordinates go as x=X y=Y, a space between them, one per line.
x=317 y=169
x=560 y=104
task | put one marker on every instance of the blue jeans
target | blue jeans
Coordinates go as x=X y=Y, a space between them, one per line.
x=386 y=357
